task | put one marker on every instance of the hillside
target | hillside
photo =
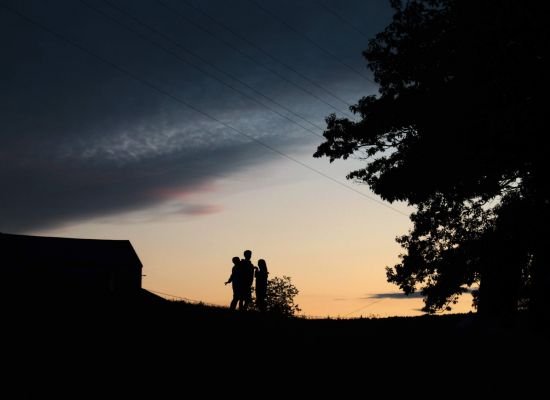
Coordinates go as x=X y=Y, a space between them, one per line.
x=170 y=344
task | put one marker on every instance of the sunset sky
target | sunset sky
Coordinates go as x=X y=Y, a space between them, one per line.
x=188 y=127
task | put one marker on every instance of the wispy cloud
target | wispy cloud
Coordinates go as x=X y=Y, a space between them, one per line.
x=393 y=295
x=82 y=140
x=200 y=209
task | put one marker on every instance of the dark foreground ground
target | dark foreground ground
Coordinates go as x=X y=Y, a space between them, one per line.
x=178 y=350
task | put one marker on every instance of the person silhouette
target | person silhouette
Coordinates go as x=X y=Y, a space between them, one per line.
x=248 y=277
x=237 y=282
x=261 y=285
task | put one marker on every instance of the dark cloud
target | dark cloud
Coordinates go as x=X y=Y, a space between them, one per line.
x=394 y=296
x=81 y=139
x=397 y=295
x=200 y=209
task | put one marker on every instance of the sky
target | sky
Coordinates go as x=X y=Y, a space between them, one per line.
x=188 y=128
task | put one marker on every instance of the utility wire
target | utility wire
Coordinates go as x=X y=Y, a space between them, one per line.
x=197 y=67
x=362 y=308
x=306 y=37
x=190 y=106
x=173 y=296
x=308 y=317
x=183 y=298
x=265 y=66
x=198 y=302
x=342 y=19
x=264 y=52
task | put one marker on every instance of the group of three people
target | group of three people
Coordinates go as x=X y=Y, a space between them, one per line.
x=242 y=278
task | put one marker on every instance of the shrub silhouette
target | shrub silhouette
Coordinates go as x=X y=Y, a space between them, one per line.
x=280 y=296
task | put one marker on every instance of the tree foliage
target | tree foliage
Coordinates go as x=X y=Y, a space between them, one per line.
x=458 y=131
x=280 y=296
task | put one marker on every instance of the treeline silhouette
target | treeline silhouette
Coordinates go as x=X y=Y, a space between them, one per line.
x=458 y=130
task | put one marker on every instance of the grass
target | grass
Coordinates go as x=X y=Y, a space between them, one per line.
x=177 y=349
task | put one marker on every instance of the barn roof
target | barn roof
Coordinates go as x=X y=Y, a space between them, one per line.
x=24 y=250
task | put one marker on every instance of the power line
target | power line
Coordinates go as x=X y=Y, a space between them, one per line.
x=183 y=298
x=313 y=42
x=362 y=308
x=205 y=72
x=342 y=19
x=173 y=296
x=175 y=12
x=199 y=302
x=264 y=52
x=193 y=301
x=188 y=105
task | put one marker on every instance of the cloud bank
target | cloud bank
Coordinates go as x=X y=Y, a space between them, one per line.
x=80 y=139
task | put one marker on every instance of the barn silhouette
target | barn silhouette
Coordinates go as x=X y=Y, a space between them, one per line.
x=50 y=268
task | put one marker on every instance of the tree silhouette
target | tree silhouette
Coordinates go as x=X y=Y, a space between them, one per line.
x=280 y=296
x=457 y=130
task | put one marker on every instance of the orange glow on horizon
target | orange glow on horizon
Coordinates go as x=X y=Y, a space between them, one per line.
x=333 y=243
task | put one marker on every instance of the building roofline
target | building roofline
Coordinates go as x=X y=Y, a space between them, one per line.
x=63 y=237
